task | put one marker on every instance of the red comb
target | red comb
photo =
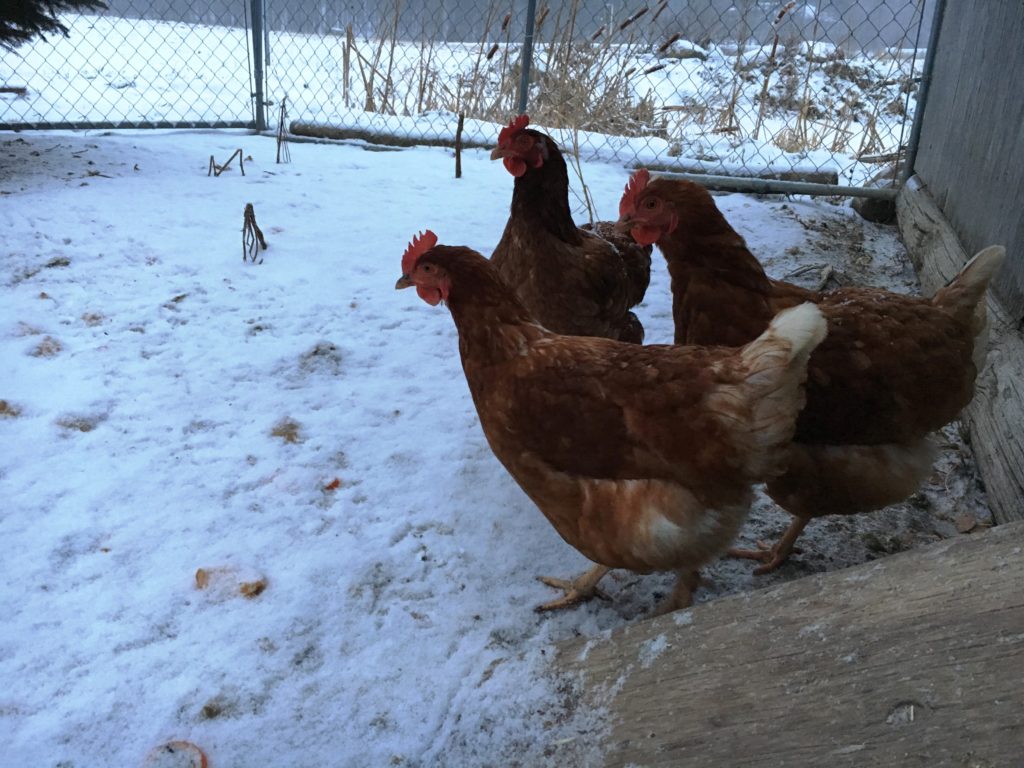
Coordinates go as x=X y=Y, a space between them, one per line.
x=419 y=245
x=637 y=183
x=515 y=126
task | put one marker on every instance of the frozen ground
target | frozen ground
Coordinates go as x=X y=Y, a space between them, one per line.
x=167 y=407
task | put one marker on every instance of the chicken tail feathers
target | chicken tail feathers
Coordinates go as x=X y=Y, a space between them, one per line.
x=966 y=294
x=803 y=326
x=967 y=289
x=764 y=406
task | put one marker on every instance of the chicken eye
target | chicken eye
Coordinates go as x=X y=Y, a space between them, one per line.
x=427 y=268
x=650 y=203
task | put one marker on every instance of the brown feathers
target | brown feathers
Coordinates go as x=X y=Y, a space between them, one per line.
x=893 y=369
x=572 y=280
x=641 y=457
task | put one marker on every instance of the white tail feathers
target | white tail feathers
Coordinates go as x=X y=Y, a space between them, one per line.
x=967 y=289
x=983 y=266
x=966 y=294
x=803 y=326
x=763 y=407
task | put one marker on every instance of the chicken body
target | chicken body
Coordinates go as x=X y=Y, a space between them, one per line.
x=893 y=368
x=575 y=281
x=640 y=457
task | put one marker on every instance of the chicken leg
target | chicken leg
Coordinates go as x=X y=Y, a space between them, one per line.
x=773 y=557
x=578 y=590
x=682 y=594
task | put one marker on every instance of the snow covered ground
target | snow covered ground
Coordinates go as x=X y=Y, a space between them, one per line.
x=300 y=426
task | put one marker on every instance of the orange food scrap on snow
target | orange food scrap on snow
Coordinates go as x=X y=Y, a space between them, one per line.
x=176 y=754
x=223 y=582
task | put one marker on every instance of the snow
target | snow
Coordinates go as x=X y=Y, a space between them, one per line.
x=169 y=408
x=824 y=109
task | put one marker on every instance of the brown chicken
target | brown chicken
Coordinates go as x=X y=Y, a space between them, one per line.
x=576 y=281
x=640 y=457
x=893 y=369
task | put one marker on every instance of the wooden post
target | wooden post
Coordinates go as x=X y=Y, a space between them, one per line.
x=458 y=146
x=996 y=414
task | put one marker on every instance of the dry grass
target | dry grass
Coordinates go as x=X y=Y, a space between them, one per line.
x=595 y=81
x=288 y=430
x=48 y=347
x=9 y=410
x=80 y=423
x=582 y=84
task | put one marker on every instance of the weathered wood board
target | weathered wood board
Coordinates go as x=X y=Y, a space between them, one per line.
x=973 y=130
x=914 y=660
x=996 y=415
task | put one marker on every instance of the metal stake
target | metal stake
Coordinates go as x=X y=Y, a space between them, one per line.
x=257 y=65
x=527 y=58
x=922 y=91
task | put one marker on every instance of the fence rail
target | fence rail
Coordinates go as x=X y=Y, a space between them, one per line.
x=791 y=92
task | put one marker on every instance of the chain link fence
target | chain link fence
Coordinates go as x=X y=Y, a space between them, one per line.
x=167 y=63
x=820 y=91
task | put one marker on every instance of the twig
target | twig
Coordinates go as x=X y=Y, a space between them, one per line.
x=458 y=145
x=770 y=67
x=251 y=235
x=217 y=170
x=346 y=53
x=284 y=153
x=577 y=167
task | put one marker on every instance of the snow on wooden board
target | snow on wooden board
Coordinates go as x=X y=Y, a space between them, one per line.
x=300 y=425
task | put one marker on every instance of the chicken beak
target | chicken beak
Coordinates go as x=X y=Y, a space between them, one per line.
x=403 y=282
x=624 y=224
x=498 y=153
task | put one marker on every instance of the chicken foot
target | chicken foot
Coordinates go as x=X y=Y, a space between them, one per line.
x=773 y=557
x=682 y=594
x=578 y=590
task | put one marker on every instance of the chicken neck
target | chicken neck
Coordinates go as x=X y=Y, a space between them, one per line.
x=493 y=326
x=540 y=199
x=720 y=292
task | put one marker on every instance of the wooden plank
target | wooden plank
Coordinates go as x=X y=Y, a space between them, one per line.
x=995 y=417
x=914 y=660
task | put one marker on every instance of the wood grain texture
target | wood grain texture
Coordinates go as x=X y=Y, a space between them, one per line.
x=995 y=416
x=973 y=131
x=914 y=660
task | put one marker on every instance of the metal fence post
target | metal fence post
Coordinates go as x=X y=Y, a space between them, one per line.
x=922 y=91
x=266 y=36
x=527 y=58
x=257 y=63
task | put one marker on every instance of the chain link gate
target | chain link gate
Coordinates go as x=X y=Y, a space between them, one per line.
x=819 y=91
x=160 y=64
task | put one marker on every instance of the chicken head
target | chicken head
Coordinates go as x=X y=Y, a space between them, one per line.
x=431 y=281
x=643 y=213
x=520 y=148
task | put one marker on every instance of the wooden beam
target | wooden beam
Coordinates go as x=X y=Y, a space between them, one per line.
x=996 y=415
x=914 y=660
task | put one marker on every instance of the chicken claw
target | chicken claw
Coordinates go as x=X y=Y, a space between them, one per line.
x=682 y=595
x=773 y=556
x=578 y=590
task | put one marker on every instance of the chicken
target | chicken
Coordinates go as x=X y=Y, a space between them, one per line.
x=640 y=457
x=893 y=369
x=580 y=282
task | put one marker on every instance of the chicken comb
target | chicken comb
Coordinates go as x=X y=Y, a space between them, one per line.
x=515 y=126
x=637 y=183
x=419 y=245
